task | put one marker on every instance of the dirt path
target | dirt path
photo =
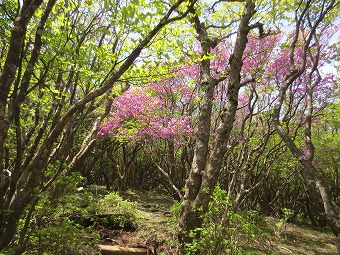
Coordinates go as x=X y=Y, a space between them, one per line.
x=154 y=225
x=155 y=230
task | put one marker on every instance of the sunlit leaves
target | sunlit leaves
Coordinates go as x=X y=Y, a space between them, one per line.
x=8 y=11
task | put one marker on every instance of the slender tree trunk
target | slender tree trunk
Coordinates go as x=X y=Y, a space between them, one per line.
x=332 y=211
x=10 y=216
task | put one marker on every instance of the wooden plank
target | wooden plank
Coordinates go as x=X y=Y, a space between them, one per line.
x=118 y=250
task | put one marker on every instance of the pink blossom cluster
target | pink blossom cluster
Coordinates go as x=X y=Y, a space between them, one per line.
x=257 y=56
x=139 y=115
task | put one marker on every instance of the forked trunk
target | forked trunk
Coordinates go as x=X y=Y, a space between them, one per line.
x=206 y=166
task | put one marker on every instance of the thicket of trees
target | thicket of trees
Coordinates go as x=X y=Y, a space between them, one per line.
x=176 y=96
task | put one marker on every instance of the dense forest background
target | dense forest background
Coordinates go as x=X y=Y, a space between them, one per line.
x=227 y=102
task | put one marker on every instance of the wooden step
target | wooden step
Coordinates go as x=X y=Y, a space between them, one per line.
x=119 y=250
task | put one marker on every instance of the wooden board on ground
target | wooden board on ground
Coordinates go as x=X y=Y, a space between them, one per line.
x=118 y=250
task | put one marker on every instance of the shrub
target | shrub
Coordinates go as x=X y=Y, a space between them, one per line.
x=224 y=231
x=116 y=212
x=62 y=237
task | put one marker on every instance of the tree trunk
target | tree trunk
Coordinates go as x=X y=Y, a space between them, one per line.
x=337 y=243
x=206 y=167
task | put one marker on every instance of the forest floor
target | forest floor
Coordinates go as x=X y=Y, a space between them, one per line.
x=156 y=225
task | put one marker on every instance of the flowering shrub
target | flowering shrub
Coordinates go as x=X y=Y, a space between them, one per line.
x=142 y=115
